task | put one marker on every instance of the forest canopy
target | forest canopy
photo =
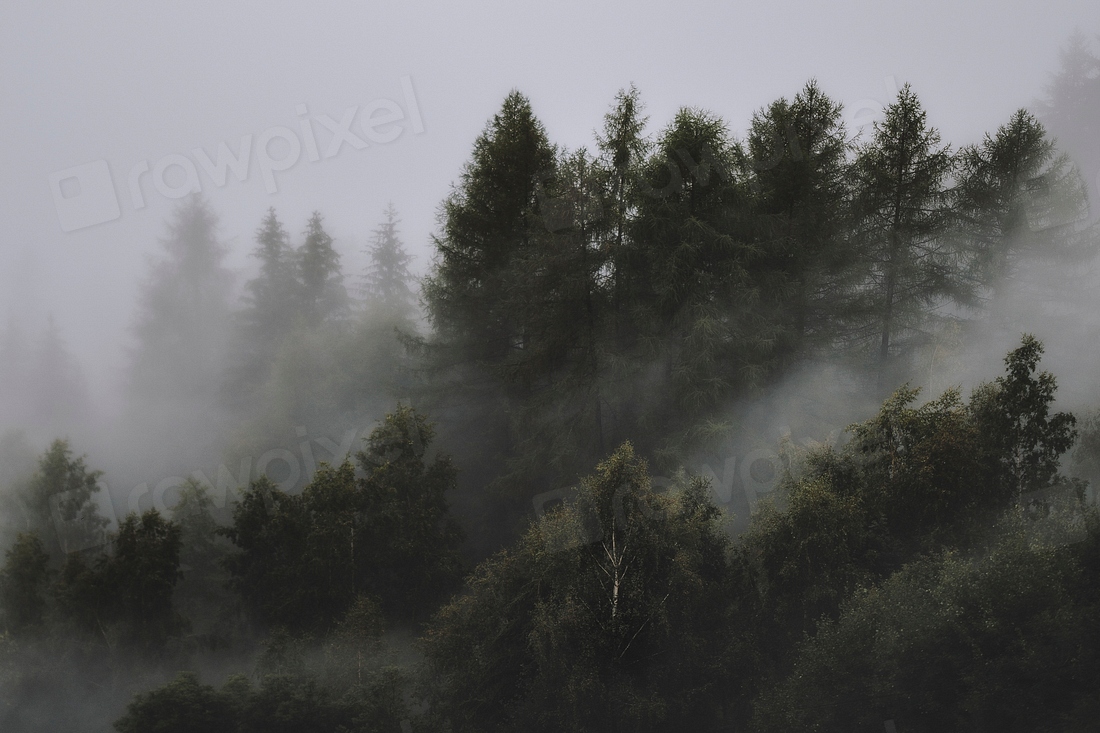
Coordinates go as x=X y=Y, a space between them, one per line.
x=518 y=530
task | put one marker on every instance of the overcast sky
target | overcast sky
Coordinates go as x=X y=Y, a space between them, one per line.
x=130 y=91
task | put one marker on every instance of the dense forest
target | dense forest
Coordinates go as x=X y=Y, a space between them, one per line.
x=484 y=500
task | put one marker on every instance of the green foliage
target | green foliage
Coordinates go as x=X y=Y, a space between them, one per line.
x=125 y=597
x=57 y=502
x=1019 y=198
x=912 y=481
x=182 y=328
x=411 y=538
x=184 y=705
x=797 y=151
x=141 y=576
x=270 y=312
x=486 y=220
x=23 y=584
x=304 y=559
x=281 y=704
x=903 y=218
x=1007 y=643
x=1015 y=419
x=388 y=283
x=607 y=613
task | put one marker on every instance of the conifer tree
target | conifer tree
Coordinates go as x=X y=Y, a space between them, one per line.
x=60 y=393
x=798 y=154
x=623 y=148
x=271 y=295
x=388 y=285
x=321 y=282
x=1019 y=198
x=270 y=312
x=902 y=221
x=1070 y=109
x=703 y=333
x=182 y=326
x=486 y=221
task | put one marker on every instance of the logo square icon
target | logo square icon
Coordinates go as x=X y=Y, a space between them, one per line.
x=84 y=195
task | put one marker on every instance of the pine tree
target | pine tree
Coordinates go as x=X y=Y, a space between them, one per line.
x=903 y=221
x=487 y=224
x=486 y=221
x=798 y=154
x=177 y=370
x=560 y=293
x=702 y=332
x=182 y=326
x=269 y=314
x=271 y=295
x=1018 y=198
x=322 y=290
x=388 y=285
x=1070 y=110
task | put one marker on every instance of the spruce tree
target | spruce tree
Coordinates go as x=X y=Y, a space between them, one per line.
x=181 y=329
x=388 y=284
x=323 y=296
x=270 y=312
x=1070 y=109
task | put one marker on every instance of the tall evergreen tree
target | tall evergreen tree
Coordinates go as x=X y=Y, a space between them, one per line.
x=322 y=289
x=61 y=400
x=271 y=295
x=798 y=154
x=1070 y=109
x=269 y=315
x=181 y=328
x=560 y=290
x=1019 y=198
x=488 y=218
x=388 y=285
x=623 y=148
x=903 y=219
x=704 y=334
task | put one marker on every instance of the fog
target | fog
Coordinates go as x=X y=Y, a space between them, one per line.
x=126 y=125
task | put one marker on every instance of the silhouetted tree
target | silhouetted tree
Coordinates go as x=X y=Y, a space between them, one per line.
x=903 y=219
x=321 y=282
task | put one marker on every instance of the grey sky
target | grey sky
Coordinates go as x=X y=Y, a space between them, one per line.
x=129 y=82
